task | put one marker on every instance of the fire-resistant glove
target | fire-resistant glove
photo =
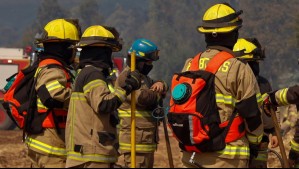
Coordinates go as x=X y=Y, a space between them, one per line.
x=293 y=157
x=132 y=82
x=253 y=148
x=267 y=104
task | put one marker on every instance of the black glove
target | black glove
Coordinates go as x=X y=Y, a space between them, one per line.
x=253 y=150
x=294 y=155
x=133 y=82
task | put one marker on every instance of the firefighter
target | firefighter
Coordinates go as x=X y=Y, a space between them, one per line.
x=284 y=96
x=91 y=139
x=147 y=99
x=250 y=50
x=236 y=89
x=46 y=147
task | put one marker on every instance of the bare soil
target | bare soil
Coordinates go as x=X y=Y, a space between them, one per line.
x=13 y=151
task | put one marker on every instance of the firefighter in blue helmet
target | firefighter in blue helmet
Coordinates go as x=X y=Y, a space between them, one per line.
x=147 y=99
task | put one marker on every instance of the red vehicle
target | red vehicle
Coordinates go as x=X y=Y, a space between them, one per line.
x=12 y=60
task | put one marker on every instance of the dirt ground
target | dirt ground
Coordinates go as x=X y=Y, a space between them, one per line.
x=13 y=152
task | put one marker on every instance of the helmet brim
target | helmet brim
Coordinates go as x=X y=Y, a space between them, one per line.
x=217 y=30
x=114 y=47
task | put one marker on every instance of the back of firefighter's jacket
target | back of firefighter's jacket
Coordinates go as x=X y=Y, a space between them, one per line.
x=236 y=85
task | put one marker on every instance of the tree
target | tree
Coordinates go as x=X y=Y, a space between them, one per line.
x=46 y=12
x=88 y=13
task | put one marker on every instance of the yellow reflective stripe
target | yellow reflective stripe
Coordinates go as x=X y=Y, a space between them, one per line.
x=72 y=115
x=111 y=88
x=235 y=150
x=293 y=113
x=127 y=113
x=264 y=96
x=40 y=105
x=54 y=85
x=283 y=96
x=93 y=84
x=261 y=157
x=78 y=96
x=121 y=94
x=259 y=98
x=45 y=147
x=37 y=71
x=226 y=99
x=294 y=146
x=91 y=157
x=139 y=147
x=254 y=139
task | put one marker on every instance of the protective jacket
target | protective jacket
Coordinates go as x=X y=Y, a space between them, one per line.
x=261 y=160
x=265 y=87
x=92 y=119
x=146 y=128
x=53 y=88
x=285 y=96
x=236 y=88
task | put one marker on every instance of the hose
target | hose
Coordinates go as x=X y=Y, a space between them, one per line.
x=276 y=153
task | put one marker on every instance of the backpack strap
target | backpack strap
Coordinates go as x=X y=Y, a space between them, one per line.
x=49 y=62
x=194 y=63
x=214 y=63
x=217 y=61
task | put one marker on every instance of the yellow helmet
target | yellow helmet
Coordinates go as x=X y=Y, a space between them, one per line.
x=220 y=18
x=249 y=49
x=101 y=36
x=60 y=30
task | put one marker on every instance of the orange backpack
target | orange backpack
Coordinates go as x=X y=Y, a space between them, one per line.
x=193 y=115
x=20 y=101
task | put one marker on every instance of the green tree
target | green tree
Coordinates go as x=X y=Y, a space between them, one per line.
x=47 y=11
x=88 y=13
x=274 y=25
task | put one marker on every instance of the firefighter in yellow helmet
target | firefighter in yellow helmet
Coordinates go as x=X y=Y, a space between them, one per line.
x=45 y=130
x=250 y=50
x=91 y=139
x=236 y=90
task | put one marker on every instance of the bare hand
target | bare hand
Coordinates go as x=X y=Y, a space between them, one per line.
x=158 y=87
x=274 y=141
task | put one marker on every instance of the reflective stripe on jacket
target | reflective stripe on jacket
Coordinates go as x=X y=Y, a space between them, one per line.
x=235 y=84
x=54 y=87
x=91 y=122
x=49 y=149
x=146 y=128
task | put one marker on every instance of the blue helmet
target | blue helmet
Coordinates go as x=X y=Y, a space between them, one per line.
x=145 y=49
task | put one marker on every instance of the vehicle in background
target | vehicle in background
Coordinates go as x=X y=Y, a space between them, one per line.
x=12 y=60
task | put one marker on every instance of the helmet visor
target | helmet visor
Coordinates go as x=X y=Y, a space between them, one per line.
x=153 y=55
